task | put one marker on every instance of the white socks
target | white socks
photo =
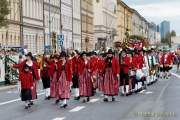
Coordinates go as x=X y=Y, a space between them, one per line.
x=64 y=101
x=127 y=88
x=47 y=92
x=76 y=92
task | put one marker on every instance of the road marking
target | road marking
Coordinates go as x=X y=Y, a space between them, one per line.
x=142 y=91
x=76 y=109
x=61 y=118
x=94 y=100
x=149 y=92
x=11 y=101
x=15 y=100
x=176 y=75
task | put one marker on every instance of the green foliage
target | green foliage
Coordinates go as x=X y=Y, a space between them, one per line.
x=167 y=39
x=173 y=33
x=136 y=37
x=4 y=11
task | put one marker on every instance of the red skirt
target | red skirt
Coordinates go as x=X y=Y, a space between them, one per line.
x=53 y=86
x=63 y=91
x=100 y=82
x=85 y=84
x=111 y=86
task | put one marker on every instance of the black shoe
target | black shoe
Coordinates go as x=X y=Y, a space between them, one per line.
x=88 y=99
x=105 y=100
x=48 y=98
x=26 y=107
x=77 y=98
x=57 y=102
x=31 y=103
x=113 y=99
x=64 y=106
x=84 y=101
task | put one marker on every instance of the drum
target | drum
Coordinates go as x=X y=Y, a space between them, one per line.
x=139 y=74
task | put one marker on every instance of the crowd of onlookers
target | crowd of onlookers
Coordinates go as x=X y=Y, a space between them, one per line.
x=11 y=51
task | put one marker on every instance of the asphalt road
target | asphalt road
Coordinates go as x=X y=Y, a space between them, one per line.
x=161 y=101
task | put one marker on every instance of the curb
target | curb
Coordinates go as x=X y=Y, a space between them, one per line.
x=4 y=88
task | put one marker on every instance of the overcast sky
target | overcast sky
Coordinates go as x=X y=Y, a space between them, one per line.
x=158 y=10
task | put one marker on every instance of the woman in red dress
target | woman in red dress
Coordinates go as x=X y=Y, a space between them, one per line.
x=100 y=73
x=85 y=77
x=64 y=76
x=28 y=73
x=111 y=78
x=53 y=76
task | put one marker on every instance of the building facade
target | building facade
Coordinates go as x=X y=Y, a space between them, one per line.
x=105 y=22
x=51 y=20
x=139 y=25
x=76 y=24
x=33 y=25
x=10 y=35
x=124 y=22
x=87 y=24
x=152 y=33
x=67 y=19
x=165 y=28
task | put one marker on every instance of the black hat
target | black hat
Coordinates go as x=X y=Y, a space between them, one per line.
x=83 y=53
x=93 y=53
x=77 y=52
x=89 y=54
x=29 y=54
x=110 y=51
x=63 y=54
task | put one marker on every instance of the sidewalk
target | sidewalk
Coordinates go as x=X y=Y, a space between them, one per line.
x=4 y=88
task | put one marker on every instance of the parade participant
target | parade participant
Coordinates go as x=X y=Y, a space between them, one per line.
x=111 y=77
x=168 y=63
x=75 y=78
x=164 y=62
x=45 y=76
x=152 y=67
x=93 y=65
x=28 y=73
x=140 y=67
x=145 y=68
x=64 y=75
x=53 y=76
x=85 y=77
x=127 y=85
x=100 y=72
x=134 y=68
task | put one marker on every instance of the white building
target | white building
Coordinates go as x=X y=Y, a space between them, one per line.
x=175 y=42
x=139 y=25
x=76 y=24
x=105 y=21
x=152 y=33
x=51 y=21
x=10 y=35
x=33 y=29
x=66 y=9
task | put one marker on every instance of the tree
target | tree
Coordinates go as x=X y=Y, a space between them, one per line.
x=4 y=11
x=173 y=33
x=167 y=39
